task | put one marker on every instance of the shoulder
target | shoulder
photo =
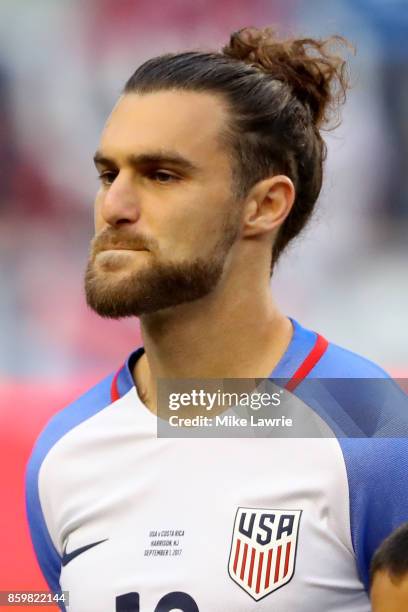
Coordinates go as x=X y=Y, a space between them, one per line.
x=339 y=362
x=95 y=399
x=359 y=397
x=324 y=358
x=91 y=402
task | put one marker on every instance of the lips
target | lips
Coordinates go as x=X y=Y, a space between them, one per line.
x=116 y=259
x=116 y=249
x=121 y=248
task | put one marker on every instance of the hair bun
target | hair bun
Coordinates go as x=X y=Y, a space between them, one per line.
x=316 y=75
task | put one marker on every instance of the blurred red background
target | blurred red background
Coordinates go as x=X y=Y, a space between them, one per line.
x=24 y=410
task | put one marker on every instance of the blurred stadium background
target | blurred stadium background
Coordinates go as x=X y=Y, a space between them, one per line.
x=62 y=65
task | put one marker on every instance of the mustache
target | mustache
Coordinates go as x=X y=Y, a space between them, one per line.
x=112 y=240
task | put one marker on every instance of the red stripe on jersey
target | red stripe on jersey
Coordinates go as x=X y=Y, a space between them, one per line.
x=268 y=568
x=251 y=567
x=287 y=555
x=258 y=580
x=309 y=363
x=115 y=395
x=244 y=562
x=277 y=564
x=236 y=556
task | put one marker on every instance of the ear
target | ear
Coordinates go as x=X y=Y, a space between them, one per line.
x=267 y=205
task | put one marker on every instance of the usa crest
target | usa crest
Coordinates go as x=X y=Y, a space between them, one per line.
x=263 y=549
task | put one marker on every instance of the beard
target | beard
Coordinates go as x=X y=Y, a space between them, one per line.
x=157 y=286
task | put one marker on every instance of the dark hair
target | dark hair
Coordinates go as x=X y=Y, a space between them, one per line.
x=278 y=93
x=392 y=555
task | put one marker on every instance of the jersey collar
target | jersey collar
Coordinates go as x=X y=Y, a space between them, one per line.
x=304 y=351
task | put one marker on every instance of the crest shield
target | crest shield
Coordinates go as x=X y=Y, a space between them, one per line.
x=263 y=549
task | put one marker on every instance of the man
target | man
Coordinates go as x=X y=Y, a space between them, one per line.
x=389 y=573
x=210 y=163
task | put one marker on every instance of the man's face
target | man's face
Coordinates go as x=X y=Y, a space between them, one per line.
x=165 y=217
x=389 y=594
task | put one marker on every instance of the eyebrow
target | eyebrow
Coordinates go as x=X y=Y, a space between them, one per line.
x=151 y=158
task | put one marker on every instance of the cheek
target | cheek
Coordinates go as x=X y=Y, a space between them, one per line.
x=98 y=220
x=196 y=234
x=210 y=219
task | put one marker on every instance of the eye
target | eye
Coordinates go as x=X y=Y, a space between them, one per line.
x=162 y=176
x=107 y=178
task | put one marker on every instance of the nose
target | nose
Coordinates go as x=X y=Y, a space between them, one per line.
x=120 y=203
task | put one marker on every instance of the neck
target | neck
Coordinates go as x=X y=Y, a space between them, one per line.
x=235 y=332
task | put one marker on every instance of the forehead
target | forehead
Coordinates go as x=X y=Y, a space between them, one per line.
x=190 y=123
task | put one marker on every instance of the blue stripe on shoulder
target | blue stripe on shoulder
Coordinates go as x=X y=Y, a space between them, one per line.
x=86 y=406
x=338 y=362
x=370 y=419
x=378 y=485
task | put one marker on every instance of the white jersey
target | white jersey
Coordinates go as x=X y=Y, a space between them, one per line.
x=126 y=521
